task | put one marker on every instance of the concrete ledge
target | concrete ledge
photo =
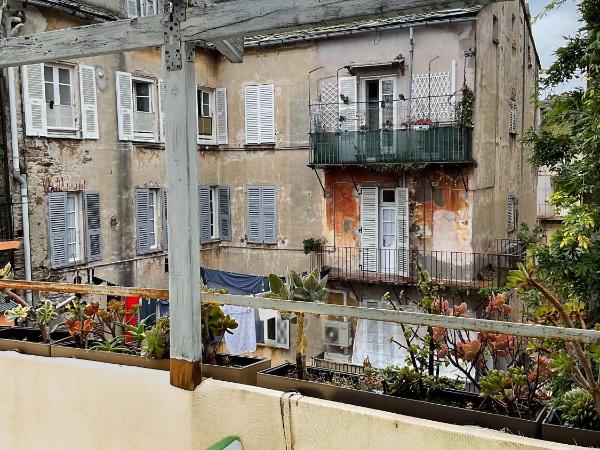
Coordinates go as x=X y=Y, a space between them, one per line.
x=56 y=403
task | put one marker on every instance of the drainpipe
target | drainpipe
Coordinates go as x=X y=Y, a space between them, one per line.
x=21 y=178
x=411 y=35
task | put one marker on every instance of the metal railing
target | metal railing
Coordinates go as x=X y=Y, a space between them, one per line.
x=479 y=270
x=432 y=129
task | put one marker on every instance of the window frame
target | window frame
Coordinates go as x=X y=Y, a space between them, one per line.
x=213 y=202
x=145 y=136
x=54 y=131
x=205 y=138
x=153 y=205
x=78 y=226
x=141 y=8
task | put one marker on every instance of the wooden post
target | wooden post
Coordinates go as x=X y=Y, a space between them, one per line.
x=182 y=188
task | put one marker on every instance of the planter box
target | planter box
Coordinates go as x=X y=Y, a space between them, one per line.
x=276 y=378
x=61 y=349
x=243 y=369
x=26 y=340
x=553 y=431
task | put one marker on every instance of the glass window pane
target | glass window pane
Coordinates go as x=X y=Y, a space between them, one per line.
x=65 y=94
x=388 y=196
x=64 y=76
x=142 y=89
x=143 y=104
x=48 y=73
x=49 y=90
x=199 y=103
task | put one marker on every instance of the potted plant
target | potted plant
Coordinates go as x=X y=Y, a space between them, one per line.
x=421 y=124
x=111 y=335
x=223 y=366
x=311 y=245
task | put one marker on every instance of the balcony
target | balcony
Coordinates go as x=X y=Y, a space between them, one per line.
x=377 y=265
x=381 y=133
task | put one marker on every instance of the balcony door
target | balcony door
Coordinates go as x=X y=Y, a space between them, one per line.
x=388 y=223
x=387 y=114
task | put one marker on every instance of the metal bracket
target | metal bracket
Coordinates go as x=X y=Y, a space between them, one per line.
x=172 y=30
x=462 y=175
x=321 y=183
x=355 y=185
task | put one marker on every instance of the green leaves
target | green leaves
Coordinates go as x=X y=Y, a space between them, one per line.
x=17 y=313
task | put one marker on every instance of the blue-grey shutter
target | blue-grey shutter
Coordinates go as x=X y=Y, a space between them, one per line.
x=57 y=219
x=224 y=214
x=254 y=215
x=269 y=214
x=204 y=208
x=165 y=222
x=93 y=232
x=141 y=212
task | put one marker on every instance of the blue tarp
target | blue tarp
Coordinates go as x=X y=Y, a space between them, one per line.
x=235 y=283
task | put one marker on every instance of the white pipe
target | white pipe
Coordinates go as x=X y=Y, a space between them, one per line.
x=20 y=178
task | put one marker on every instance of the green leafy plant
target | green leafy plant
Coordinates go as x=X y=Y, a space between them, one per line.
x=296 y=288
x=311 y=244
x=506 y=388
x=155 y=340
x=215 y=323
x=577 y=409
x=464 y=107
x=113 y=345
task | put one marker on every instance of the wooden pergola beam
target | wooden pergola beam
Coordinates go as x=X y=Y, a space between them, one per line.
x=212 y=22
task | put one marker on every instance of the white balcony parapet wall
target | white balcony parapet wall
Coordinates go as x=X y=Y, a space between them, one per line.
x=52 y=403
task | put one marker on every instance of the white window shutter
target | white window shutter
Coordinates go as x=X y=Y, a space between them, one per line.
x=124 y=106
x=252 y=115
x=369 y=212
x=161 y=106
x=131 y=8
x=254 y=215
x=402 y=244
x=347 y=89
x=57 y=220
x=93 y=230
x=266 y=109
x=34 y=98
x=282 y=328
x=221 y=104
x=89 y=107
x=269 y=214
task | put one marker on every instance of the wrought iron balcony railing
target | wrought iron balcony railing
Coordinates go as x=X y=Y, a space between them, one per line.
x=429 y=130
x=477 y=270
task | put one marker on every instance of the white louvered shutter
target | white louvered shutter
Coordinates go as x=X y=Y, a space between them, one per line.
x=89 y=106
x=124 y=106
x=57 y=220
x=269 y=214
x=221 y=104
x=266 y=113
x=347 y=87
x=402 y=244
x=254 y=215
x=35 y=100
x=93 y=231
x=161 y=108
x=369 y=232
x=204 y=208
x=252 y=115
x=142 y=198
x=224 y=214
x=131 y=6
x=165 y=221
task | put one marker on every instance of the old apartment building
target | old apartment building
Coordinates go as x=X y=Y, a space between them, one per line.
x=395 y=143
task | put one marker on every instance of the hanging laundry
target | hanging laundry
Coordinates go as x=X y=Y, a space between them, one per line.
x=243 y=339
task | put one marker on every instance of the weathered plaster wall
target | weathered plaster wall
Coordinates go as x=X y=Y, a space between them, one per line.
x=506 y=69
x=73 y=404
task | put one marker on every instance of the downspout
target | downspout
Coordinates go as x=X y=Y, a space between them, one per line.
x=21 y=178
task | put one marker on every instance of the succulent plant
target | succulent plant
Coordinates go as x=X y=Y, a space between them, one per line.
x=308 y=289
x=577 y=409
x=17 y=313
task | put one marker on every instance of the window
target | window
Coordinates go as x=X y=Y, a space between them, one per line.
x=74 y=218
x=215 y=220
x=147 y=210
x=260 y=114
x=262 y=215
x=512 y=214
x=495 y=31
x=512 y=116
x=139 y=118
x=60 y=103
x=205 y=115
x=140 y=8
x=55 y=106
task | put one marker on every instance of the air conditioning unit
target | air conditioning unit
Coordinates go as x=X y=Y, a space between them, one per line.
x=337 y=333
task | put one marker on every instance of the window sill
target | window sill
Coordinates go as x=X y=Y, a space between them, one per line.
x=270 y=146
x=149 y=145
x=60 y=135
x=212 y=241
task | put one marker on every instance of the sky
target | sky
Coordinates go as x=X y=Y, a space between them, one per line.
x=549 y=32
